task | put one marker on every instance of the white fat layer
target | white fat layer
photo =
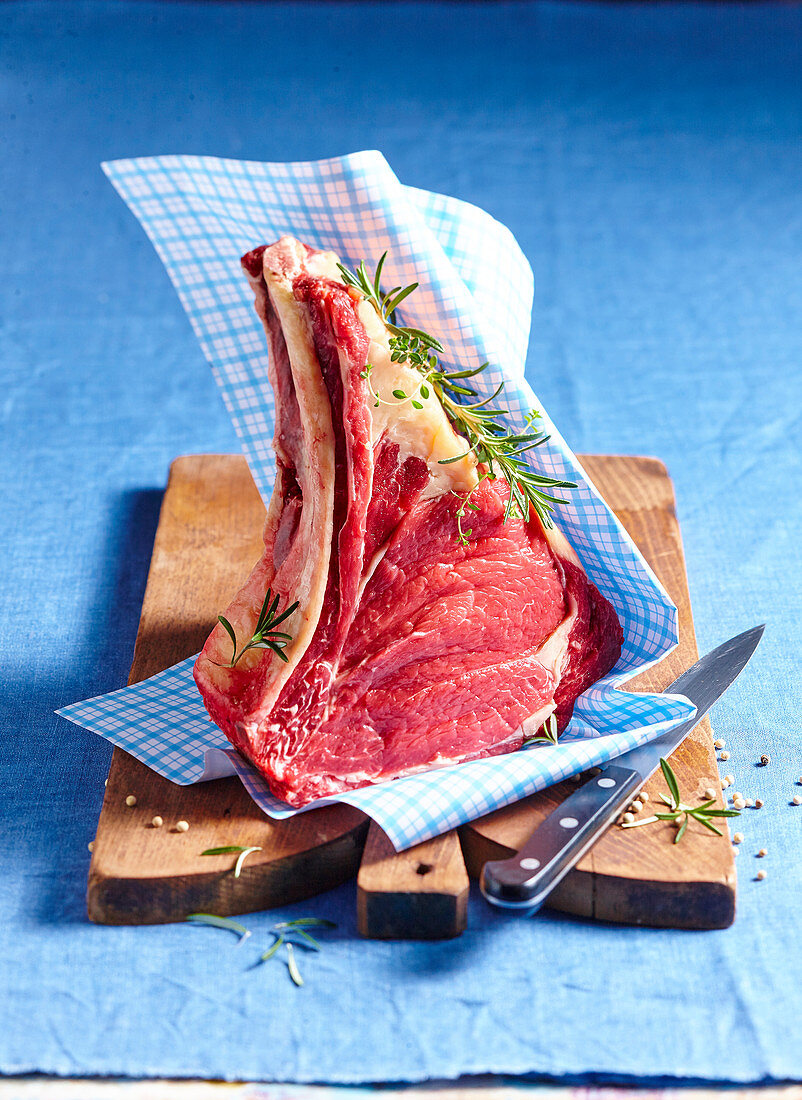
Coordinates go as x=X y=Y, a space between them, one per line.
x=510 y=742
x=561 y=546
x=371 y=568
x=534 y=722
x=324 y=265
x=553 y=655
x=426 y=433
x=316 y=465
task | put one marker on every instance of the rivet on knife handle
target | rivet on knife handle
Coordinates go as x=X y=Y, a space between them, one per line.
x=559 y=842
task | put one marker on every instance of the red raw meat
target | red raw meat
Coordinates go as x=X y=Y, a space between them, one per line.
x=409 y=650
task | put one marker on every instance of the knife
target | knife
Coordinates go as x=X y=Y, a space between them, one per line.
x=525 y=880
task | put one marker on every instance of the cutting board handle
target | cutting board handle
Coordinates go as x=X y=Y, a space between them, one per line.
x=419 y=894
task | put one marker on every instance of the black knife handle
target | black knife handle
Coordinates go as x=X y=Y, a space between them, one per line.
x=559 y=842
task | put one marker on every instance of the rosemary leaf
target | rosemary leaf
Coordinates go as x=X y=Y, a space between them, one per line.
x=242 y=857
x=229 y=630
x=704 y=805
x=636 y=824
x=311 y=942
x=279 y=940
x=226 y=850
x=393 y=305
x=220 y=922
x=671 y=780
x=378 y=275
x=292 y=966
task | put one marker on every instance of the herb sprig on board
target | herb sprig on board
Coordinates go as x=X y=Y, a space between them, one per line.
x=500 y=451
x=679 y=812
x=265 y=636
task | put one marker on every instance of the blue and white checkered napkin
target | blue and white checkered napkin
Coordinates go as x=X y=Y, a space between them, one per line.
x=475 y=294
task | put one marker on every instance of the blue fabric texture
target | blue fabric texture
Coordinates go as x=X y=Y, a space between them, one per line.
x=201 y=213
x=647 y=160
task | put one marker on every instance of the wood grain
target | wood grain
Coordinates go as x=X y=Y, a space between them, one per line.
x=419 y=894
x=638 y=876
x=209 y=537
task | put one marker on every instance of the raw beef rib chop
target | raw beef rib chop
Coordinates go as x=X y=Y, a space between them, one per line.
x=408 y=649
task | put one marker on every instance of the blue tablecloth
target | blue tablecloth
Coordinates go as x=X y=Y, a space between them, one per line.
x=648 y=160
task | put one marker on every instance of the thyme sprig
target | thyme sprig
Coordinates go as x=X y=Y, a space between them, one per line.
x=680 y=813
x=498 y=449
x=400 y=396
x=265 y=636
x=464 y=533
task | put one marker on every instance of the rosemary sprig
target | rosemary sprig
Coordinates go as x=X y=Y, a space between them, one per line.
x=385 y=304
x=679 y=812
x=283 y=933
x=549 y=736
x=220 y=922
x=265 y=636
x=497 y=448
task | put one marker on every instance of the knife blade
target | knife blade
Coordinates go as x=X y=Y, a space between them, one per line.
x=525 y=880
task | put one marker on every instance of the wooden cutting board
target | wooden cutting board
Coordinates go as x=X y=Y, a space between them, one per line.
x=208 y=538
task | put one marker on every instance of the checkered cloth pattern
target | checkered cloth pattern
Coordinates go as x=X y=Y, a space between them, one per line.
x=476 y=288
